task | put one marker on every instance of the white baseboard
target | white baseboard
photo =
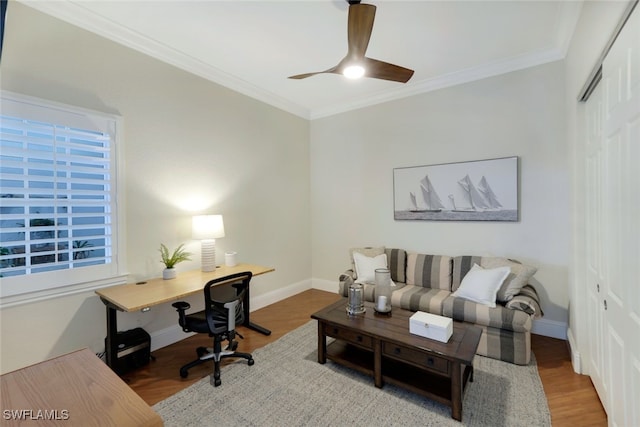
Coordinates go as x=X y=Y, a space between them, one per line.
x=173 y=334
x=325 y=285
x=168 y=336
x=576 y=358
x=279 y=294
x=549 y=328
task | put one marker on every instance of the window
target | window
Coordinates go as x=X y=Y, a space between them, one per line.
x=58 y=199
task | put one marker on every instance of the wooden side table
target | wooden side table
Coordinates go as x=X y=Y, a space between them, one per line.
x=76 y=389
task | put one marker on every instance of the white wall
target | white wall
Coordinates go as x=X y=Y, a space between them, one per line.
x=191 y=146
x=517 y=114
x=595 y=26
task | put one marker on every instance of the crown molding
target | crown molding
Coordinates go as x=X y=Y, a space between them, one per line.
x=447 y=80
x=75 y=14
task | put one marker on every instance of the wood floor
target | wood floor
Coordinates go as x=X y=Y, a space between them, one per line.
x=572 y=398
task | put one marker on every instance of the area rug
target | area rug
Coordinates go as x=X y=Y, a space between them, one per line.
x=288 y=387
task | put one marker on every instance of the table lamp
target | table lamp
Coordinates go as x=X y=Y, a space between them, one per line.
x=208 y=228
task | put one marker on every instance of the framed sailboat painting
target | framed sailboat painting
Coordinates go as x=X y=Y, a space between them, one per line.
x=480 y=190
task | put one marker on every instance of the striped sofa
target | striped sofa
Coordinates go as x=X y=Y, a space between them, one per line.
x=426 y=282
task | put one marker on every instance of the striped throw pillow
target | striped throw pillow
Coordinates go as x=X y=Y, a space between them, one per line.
x=397 y=260
x=429 y=271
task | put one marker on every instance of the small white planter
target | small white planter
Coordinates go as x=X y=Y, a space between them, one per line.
x=169 y=273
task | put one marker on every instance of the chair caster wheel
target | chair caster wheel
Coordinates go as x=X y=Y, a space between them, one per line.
x=250 y=362
x=201 y=351
x=183 y=373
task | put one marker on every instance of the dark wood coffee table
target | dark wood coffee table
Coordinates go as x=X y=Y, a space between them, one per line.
x=382 y=347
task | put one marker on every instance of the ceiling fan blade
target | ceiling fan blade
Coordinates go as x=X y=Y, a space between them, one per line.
x=305 y=75
x=385 y=71
x=359 y=29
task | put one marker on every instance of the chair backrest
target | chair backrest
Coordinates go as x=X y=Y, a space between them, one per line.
x=218 y=294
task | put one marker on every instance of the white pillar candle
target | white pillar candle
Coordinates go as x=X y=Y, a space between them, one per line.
x=382 y=303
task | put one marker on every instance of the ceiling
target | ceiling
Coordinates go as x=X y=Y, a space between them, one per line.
x=252 y=46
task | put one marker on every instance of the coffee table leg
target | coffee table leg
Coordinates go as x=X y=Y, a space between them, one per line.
x=322 y=344
x=377 y=363
x=456 y=392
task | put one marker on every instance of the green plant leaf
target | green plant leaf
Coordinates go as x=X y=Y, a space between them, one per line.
x=171 y=259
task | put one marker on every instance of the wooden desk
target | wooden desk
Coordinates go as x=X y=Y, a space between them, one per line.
x=75 y=389
x=142 y=295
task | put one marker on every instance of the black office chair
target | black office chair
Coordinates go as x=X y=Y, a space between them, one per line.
x=222 y=311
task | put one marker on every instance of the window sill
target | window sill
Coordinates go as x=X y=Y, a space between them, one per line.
x=42 y=295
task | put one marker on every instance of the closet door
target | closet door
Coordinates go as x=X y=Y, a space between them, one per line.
x=621 y=214
x=594 y=251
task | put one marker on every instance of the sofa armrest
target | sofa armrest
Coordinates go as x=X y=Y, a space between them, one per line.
x=528 y=301
x=348 y=274
x=345 y=280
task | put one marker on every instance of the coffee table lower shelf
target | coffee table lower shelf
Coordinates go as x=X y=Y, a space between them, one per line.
x=431 y=385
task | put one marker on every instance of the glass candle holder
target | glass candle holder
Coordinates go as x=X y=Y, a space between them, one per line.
x=383 y=290
x=356 y=299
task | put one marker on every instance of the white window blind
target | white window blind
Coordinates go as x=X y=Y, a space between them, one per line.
x=58 y=201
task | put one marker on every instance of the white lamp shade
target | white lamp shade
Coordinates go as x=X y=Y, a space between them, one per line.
x=205 y=227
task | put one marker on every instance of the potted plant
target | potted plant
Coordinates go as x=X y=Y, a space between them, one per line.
x=170 y=259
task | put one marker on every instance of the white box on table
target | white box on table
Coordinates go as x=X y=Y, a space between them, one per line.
x=431 y=326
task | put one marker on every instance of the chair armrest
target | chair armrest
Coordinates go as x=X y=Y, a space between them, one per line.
x=528 y=301
x=181 y=307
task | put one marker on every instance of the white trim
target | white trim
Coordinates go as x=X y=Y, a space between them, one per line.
x=269 y=298
x=173 y=334
x=447 y=80
x=168 y=336
x=576 y=357
x=76 y=14
x=550 y=328
x=325 y=285
x=31 y=297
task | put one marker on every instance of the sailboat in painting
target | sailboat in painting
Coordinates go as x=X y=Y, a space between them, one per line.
x=431 y=198
x=414 y=204
x=489 y=195
x=476 y=201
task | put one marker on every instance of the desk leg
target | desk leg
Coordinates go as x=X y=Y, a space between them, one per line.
x=111 y=344
x=247 y=318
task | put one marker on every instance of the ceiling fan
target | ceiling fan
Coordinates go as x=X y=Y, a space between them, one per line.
x=356 y=64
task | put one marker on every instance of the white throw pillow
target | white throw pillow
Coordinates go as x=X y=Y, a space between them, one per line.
x=481 y=285
x=368 y=251
x=366 y=266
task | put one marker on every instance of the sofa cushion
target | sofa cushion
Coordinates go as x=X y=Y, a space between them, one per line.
x=397 y=260
x=519 y=276
x=481 y=284
x=499 y=317
x=366 y=266
x=418 y=298
x=461 y=266
x=368 y=251
x=509 y=346
x=429 y=271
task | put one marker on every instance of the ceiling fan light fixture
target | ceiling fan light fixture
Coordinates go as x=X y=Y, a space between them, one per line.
x=353 y=71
